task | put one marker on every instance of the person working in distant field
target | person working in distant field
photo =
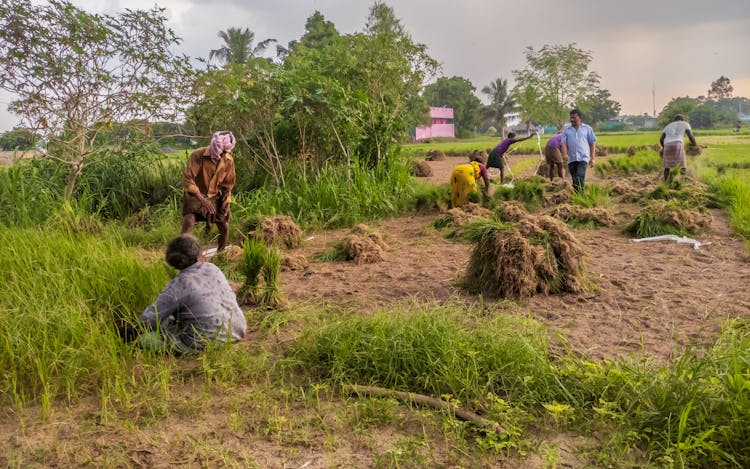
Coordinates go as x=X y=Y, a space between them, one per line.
x=195 y=307
x=208 y=181
x=496 y=157
x=673 y=145
x=464 y=181
x=553 y=155
x=578 y=148
x=738 y=126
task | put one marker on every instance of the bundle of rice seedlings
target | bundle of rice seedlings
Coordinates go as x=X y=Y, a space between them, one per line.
x=581 y=217
x=668 y=217
x=601 y=150
x=519 y=259
x=280 y=231
x=271 y=296
x=694 y=150
x=632 y=150
x=252 y=263
x=435 y=155
x=420 y=169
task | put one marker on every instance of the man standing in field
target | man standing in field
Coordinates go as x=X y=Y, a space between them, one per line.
x=673 y=145
x=496 y=157
x=578 y=148
x=553 y=155
x=208 y=180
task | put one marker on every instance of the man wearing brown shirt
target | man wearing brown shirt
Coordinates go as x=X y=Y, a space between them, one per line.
x=208 y=181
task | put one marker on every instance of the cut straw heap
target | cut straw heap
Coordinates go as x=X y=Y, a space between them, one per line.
x=518 y=258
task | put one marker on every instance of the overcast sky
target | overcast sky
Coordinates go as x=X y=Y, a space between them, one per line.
x=676 y=48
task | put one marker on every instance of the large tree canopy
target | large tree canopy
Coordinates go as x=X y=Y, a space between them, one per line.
x=456 y=93
x=557 y=77
x=76 y=74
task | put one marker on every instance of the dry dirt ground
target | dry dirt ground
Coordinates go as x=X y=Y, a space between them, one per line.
x=651 y=298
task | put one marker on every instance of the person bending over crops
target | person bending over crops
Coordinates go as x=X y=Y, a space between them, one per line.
x=464 y=181
x=208 y=181
x=496 y=158
x=195 y=307
x=553 y=155
x=673 y=145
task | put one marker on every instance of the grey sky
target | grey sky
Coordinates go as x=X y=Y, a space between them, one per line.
x=677 y=47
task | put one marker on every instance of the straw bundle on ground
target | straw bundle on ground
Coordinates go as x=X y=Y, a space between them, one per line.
x=364 y=246
x=668 y=217
x=575 y=215
x=280 y=231
x=294 y=262
x=421 y=169
x=435 y=155
x=517 y=260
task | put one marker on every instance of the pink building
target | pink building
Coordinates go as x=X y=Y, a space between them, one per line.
x=441 y=119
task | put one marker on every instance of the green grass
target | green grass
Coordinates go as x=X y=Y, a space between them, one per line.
x=642 y=162
x=691 y=413
x=594 y=195
x=731 y=186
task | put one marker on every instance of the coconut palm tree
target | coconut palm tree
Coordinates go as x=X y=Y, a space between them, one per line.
x=238 y=46
x=501 y=103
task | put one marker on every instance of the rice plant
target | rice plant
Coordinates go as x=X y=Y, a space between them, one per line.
x=594 y=195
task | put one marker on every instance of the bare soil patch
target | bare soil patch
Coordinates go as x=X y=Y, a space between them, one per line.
x=649 y=298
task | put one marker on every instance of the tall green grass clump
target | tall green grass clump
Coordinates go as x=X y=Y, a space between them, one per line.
x=643 y=162
x=693 y=412
x=734 y=193
x=594 y=195
x=30 y=192
x=529 y=191
x=431 y=352
x=61 y=298
x=334 y=197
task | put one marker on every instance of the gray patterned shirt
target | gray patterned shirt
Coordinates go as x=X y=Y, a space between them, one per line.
x=202 y=304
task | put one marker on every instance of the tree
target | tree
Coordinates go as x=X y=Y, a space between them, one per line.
x=598 y=107
x=502 y=103
x=456 y=93
x=390 y=70
x=18 y=139
x=559 y=76
x=684 y=106
x=720 y=88
x=238 y=46
x=76 y=74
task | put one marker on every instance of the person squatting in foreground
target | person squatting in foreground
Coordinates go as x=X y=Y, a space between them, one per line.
x=208 y=180
x=464 y=181
x=197 y=306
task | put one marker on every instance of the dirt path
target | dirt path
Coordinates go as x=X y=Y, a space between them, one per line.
x=649 y=296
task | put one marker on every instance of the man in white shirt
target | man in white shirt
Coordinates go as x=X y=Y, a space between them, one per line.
x=673 y=145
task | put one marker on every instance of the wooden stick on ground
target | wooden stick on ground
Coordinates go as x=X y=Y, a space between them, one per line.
x=424 y=400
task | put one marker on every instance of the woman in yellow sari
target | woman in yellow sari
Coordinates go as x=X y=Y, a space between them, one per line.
x=464 y=181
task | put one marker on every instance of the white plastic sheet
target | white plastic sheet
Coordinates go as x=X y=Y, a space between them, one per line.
x=670 y=237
